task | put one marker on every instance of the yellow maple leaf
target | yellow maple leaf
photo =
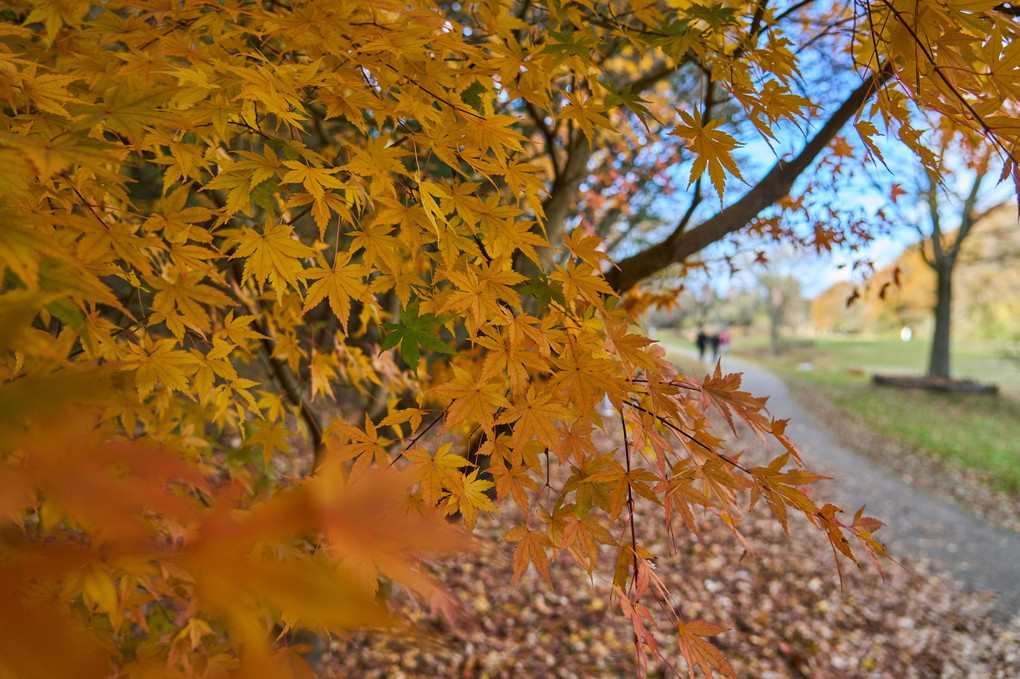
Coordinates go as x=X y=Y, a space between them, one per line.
x=586 y=112
x=340 y=284
x=161 y=363
x=323 y=367
x=431 y=194
x=586 y=247
x=433 y=473
x=483 y=291
x=272 y=255
x=179 y=301
x=468 y=496
x=712 y=148
x=315 y=179
x=48 y=92
x=584 y=281
x=585 y=378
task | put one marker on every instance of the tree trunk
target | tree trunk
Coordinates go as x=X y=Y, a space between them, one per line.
x=775 y=317
x=774 y=332
x=938 y=366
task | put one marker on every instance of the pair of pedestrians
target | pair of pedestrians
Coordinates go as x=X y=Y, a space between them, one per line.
x=718 y=342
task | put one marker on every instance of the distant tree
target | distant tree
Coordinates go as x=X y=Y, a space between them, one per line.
x=941 y=246
x=781 y=297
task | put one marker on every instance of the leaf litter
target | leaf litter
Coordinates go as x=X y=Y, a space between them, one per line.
x=786 y=612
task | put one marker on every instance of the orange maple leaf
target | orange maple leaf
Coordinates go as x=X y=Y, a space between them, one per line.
x=531 y=546
x=721 y=393
x=700 y=653
x=473 y=400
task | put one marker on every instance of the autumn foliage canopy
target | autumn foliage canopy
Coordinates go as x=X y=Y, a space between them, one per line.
x=286 y=286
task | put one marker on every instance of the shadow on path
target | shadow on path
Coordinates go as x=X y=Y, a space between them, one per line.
x=978 y=554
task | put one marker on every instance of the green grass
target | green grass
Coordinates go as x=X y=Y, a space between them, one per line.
x=980 y=431
x=981 y=361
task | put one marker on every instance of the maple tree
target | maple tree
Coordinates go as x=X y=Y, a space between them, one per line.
x=231 y=227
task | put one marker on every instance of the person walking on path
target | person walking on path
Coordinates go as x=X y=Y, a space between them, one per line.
x=714 y=341
x=724 y=341
x=701 y=343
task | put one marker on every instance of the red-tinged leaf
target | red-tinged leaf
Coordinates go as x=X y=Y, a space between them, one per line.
x=576 y=443
x=866 y=522
x=779 y=433
x=678 y=494
x=700 y=653
x=626 y=563
x=782 y=489
x=641 y=619
x=515 y=482
x=833 y=528
x=721 y=392
x=580 y=535
x=863 y=527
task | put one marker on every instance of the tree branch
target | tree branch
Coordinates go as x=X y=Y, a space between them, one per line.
x=920 y=246
x=932 y=196
x=989 y=210
x=775 y=185
x=548 y=135
x=565 y=186
x=1008 y=8
x=967 y=217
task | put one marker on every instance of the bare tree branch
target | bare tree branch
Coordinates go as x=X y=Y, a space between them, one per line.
x=968 y=218
x=548 y=135
x=776 y=184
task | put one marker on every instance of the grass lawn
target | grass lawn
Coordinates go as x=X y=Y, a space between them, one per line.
x=982 y=432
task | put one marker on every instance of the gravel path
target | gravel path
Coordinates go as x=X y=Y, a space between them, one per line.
x=977 y=553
